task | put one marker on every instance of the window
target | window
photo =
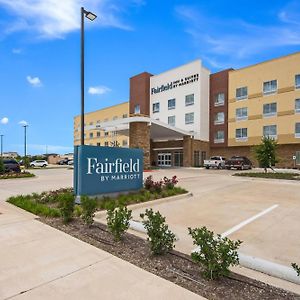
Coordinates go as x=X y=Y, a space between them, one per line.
x=106 y=144
x=270 y=109
x=219 y=99
x=241 y=134
x=91 y=123
x=98 y=144
x=125 y=116
x=219 y=137
x=155 y=107
x=241 y=113
x=219 y=118
x=189 y=100
x=297 y=105
x=241 y=93
x=106 y=133
x=171 y=120
x=137 y=109
x=297 y=130
x=98 y=134
x=91 y=135
x=124 y=143
x=270 y=131
x=114 y=133
x=297 y=81
x=171 y=104
x=270 y=87
x=189 y=118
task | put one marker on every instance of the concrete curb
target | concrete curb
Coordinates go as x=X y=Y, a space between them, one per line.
x=102 y=213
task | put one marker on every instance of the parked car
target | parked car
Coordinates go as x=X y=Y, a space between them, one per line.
x=71 y=162
x=63 y=161
x=215 y=162
x=11 y=165
x=239 y=163
x=39 y=163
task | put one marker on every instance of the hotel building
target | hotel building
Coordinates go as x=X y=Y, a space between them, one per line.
x=183 y=115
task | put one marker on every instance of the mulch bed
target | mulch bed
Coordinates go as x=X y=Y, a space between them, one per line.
x=174 y=266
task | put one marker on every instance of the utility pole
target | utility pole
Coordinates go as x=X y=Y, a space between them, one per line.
x=1 y=135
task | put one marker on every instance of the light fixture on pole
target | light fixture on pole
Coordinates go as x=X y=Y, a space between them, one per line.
x=25 y=143
x=1 y=136
x=91 y=16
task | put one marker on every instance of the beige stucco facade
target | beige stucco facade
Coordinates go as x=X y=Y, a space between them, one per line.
x=98 y=137
x=284 y=71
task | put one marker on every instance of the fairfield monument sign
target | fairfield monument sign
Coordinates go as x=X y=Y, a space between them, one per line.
x=105 y=170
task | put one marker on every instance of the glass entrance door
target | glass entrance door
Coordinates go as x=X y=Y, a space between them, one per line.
x=164 y=159
x=178 y=159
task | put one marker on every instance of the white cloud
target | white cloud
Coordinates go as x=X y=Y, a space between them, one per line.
x=34 y=81
x=4 y=121
x=234 y=41
x=56 y=18
x=16 y=51
x=23 y=123
x=98 y=90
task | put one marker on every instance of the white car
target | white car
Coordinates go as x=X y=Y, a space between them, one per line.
x=215 y=162
x=39 y=163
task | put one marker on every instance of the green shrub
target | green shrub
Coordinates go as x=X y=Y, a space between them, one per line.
x=77 y=211
x=160 y=237
x=296 y=268
x=2 y=169
x=215 y=254
x=66 y=204
x=89 y=206
x=118 y=221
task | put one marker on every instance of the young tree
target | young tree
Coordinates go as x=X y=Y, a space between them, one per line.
x=266 y=153
x=1 y=166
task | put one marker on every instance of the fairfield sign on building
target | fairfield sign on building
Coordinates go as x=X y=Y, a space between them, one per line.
x=105 y=170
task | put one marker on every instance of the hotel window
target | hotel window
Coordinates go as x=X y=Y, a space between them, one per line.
x=241 y=134
x=219 y=137
x=124 y=143
x=171 y=120
x=91 y=135
x=270 y=87
x=106 y=133
x=137 y=109
x=297 y=81
x=270 y=109
x=98 y=134
x=189 y=118
x=241 y=93
x=125 y=116
x=98 y=144
x=114 y=133
x=219 y=99
x=189 y=100
x=219 y=118
x=241 y=113
x=106 y=144
x=270 y=131
x=297 y=130
x=171 y=104
x=155 y=107
x=297 y=105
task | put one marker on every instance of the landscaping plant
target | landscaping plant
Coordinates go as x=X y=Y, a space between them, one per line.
x=160 y=237
x=66 y=205
x=215 y=254
x=89 y=206
x=170 y=183
x=118 y=221
x=266 y=153
x=153 y=186
x=2 y=169
x=296 y=268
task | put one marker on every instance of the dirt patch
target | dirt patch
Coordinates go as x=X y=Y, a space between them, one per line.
x=174 y=266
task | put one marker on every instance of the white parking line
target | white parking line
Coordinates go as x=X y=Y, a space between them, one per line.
x=246 y=222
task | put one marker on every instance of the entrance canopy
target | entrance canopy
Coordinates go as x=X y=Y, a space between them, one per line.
x=158 y=130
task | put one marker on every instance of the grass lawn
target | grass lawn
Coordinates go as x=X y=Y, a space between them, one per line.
x=273 y=175
x=16 y=175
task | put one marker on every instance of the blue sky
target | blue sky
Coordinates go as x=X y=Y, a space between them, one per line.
x=39 y=53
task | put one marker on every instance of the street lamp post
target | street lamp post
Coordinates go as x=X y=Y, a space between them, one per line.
x=1 y=135
x=25 y=143
x=91 y=16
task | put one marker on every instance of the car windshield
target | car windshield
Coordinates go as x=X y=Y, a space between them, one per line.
x=236 y=158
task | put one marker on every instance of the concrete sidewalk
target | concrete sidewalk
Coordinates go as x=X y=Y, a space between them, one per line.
x=40 y=262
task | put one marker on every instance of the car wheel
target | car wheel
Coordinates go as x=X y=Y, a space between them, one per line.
x=44 y=166
x=31 y=166
x=207 y=167
x=219 y=166
x=242 y=167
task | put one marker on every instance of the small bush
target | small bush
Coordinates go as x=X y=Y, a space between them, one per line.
x=89 y=206
x=170 y=183
x=2 y=169
x=66 y=204
x=160 y=237
x=216 y=254
x=153 y=186
x=296 y=268
x=77 y=211
x=118 y=221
